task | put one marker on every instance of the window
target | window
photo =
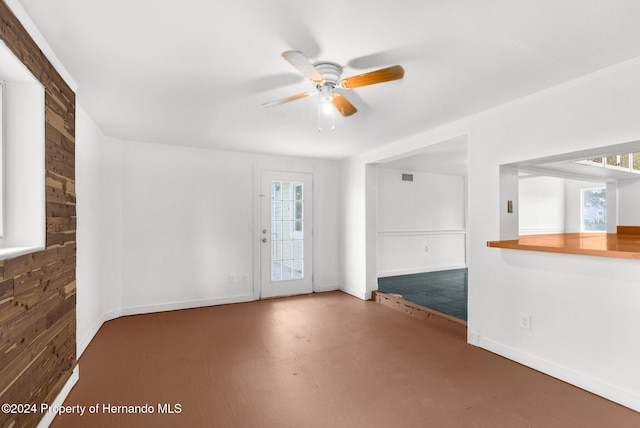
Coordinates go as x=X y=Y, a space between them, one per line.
x=22 y=163
x=594 y=209
x=628 y=162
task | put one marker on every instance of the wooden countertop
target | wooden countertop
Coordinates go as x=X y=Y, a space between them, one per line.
x=625 y=244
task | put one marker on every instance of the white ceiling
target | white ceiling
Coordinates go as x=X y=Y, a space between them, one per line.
x=196 y=72
x=449 y=157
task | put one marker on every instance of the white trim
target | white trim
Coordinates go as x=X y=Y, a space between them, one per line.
x=10 y=252
x=82 y=344
x=355 y=292
x=23 y=163
x=421 y=232
x=189 y=304
x=259 y=167
x=39 y=40
x=268 y=286
x=64 y=392
x=621 y=396
x=322 y=288
x=541 y=230
x=410 y=271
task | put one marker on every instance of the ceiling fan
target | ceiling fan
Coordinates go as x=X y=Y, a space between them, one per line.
x=326 y=76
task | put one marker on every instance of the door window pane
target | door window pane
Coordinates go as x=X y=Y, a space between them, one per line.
x=287 y=225
x=298 y=269
x=287 y=210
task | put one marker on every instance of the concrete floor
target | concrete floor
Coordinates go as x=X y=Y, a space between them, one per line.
x=322 y=360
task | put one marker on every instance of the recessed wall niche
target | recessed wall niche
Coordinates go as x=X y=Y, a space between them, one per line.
x=23 y=217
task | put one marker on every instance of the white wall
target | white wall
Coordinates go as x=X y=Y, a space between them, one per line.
x=629 y=203
x=413 y=215
x=573 y=204
x=560 y=292
x=163 y=227
x=99 y=236
x=188 y=225
x=582 y=308
x=552 y=204
x=541 y=203
x=353 y=227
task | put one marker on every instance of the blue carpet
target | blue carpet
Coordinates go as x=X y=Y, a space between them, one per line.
x=444 y=291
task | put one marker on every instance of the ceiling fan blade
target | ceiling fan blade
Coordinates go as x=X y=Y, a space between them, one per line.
x=343 y=105
x=379 y=76
x=288 y=99
x=304 y=66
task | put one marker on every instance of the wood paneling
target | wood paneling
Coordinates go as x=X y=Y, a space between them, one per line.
x=630 y=231
x=37 y=291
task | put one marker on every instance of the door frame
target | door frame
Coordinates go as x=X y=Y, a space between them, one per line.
x=283 y=167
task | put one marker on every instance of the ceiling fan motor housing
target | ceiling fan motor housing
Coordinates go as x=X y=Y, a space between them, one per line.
x=326 y=76
x=330 y=71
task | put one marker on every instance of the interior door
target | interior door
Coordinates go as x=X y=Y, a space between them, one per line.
x=286 y=219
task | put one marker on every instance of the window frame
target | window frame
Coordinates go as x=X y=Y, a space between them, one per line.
x=2 y=169
x=601 y=162
x=582 y=207
x=23 y=153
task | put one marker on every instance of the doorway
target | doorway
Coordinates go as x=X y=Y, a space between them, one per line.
x=421 y=224
x=286 y=233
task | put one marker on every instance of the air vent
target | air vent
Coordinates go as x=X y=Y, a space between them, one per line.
x=407 y=177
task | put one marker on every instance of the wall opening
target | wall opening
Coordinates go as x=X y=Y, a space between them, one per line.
x=421 y=227
x=584 y=191
x=23 y=161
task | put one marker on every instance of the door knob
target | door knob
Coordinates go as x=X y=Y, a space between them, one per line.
x=264 y=239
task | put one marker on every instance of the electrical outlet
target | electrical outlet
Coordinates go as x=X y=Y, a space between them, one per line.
x=427 y=248
x=525 y=321
x=232 y=278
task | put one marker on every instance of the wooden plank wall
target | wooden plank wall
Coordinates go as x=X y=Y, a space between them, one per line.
x=37 y=291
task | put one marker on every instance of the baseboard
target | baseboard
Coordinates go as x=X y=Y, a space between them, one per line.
x=541 y=230
x=174 y=306
x=82 y=344
x=326 y=287
x=411 y=271
x=623 y=397
x=356 y=293
x=64 y=392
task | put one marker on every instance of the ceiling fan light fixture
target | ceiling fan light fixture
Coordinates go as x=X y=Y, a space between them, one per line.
x=325 y=108
x=326 y=96
x=326 y=76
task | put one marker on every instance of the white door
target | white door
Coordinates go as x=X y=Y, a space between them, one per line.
x=285 y=233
